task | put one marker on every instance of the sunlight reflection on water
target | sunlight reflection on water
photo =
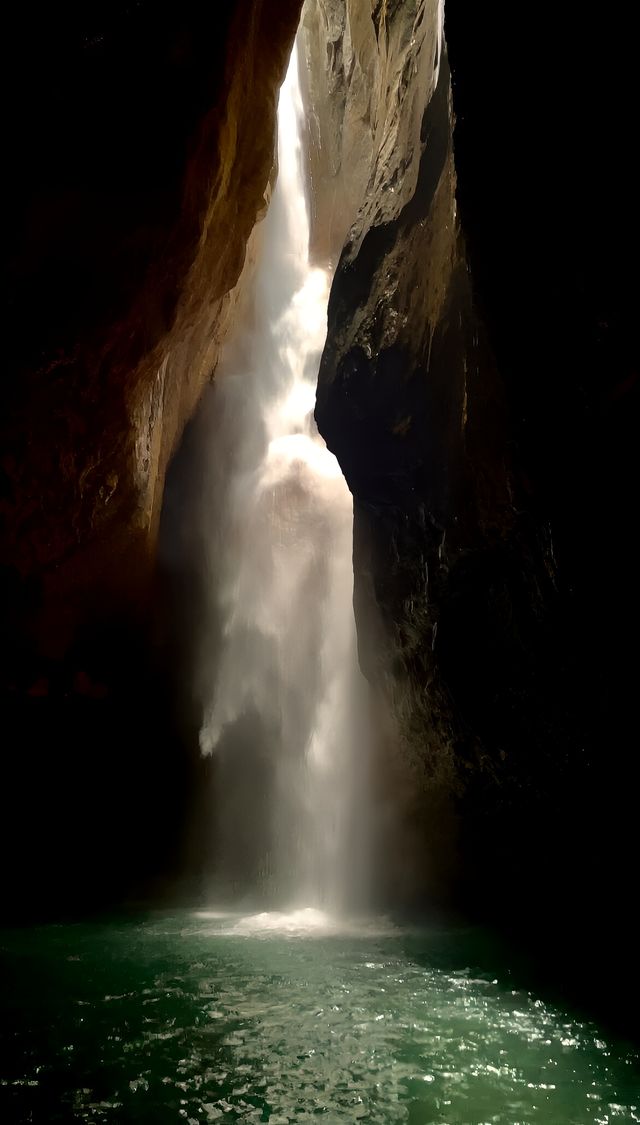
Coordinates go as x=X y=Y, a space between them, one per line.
x=285 y=1016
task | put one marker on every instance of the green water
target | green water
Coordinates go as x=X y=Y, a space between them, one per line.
x=196 y=1019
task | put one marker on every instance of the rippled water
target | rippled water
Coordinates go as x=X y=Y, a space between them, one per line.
x=204 y=1017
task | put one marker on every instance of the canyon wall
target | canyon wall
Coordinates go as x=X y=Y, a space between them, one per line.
x=365 y=76
x=479 y=387
x=139 y=146
x=547 y=189
x=409 y=400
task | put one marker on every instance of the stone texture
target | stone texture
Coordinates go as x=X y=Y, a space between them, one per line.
x=547 y=186
x=139 y=145
x=401 y=403
x=139 y=149
x=479 y=386
x=365 y=85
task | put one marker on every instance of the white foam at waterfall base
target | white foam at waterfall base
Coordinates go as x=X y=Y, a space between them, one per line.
x=283 y=700
x=305 y=922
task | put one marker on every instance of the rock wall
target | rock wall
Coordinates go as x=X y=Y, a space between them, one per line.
x=402 y=404
x=479 y=388
x=365 y=83
x=138 y=149
x=139 y=145
x=547 y=188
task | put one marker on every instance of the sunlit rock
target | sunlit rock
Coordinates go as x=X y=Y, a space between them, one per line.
x=140 y=152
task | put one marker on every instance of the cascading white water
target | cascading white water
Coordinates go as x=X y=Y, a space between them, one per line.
x=284 y=708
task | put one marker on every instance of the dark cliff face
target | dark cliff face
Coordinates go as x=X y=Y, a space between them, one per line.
x=548 y=188
x=488 y=439
x=137 y=150
x=410 y=402
x=138 y=145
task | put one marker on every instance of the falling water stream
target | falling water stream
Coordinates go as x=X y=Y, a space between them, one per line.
x=283 y=708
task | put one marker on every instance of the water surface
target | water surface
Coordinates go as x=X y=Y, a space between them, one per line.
x=201 y=1017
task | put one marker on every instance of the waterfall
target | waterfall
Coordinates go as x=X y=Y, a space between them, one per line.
x=283 y=699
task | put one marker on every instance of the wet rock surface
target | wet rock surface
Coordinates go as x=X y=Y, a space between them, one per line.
x=138 y=149
x=546 y=180
x=479 y=388
x=409 y=400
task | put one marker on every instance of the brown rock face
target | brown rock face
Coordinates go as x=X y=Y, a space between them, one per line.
x=139 y=152
x=366 y=81
x=401 y=403
x=481 y=394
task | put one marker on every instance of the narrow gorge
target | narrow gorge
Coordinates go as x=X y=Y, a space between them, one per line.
x=318 y=484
